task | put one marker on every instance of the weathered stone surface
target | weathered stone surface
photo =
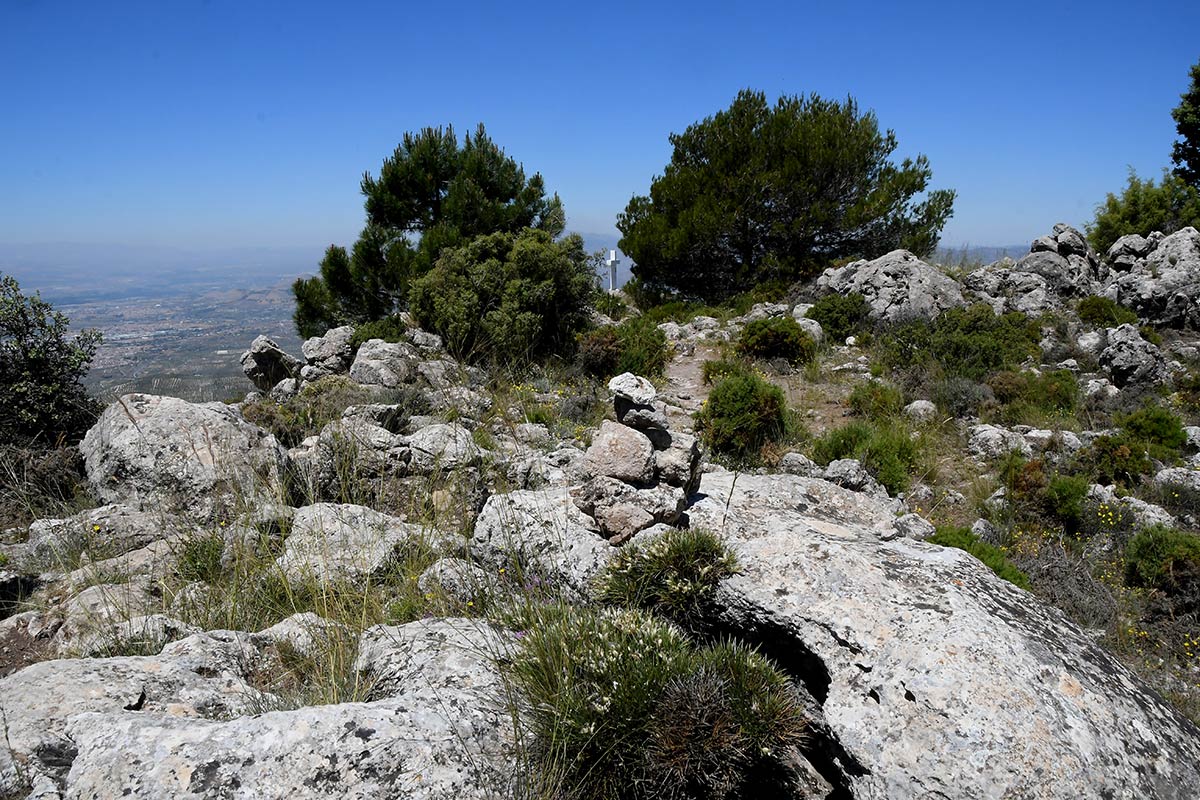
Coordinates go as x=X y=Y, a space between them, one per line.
x=461 y=580
x=920 y=411
x=679 y=463
x=851 y=474
x=1144 y=514
x=389 y=364
x=331 y=353
x=435 y=729
x=937 y=678
x=622 y=510
x=333 y=542
x=799 y=464
x=1164 y=286
x=443 y=446
x=351 y=450
x=104 y=532
x=546 y=531
x=1131 y=360
x=265 y=364
x=1125 y=251
x=989 y=442
x=811 y=327
x=1006 y=289
x=895 y=285
x=636 y=390
x=162 y=452
x=620 y=452
x=647 y=418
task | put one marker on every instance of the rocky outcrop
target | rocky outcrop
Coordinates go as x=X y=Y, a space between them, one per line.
x=387 y=364
x=1131 y=360
x=337 y=543
x=266 y=364
x=1059 y=266
x=161 y=452
x=1161 y=278
x=937 y=678
x=896 y=286
x=330 y=354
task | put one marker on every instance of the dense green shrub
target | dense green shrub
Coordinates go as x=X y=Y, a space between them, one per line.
x=743 y=413
x=508 y=297
x=600 y=351
x=1162 y=558
x=969 y=342
x=960 y=397
x=390 y=329
x=1116 y=459
x=643 y=347
x=621 y=706
x=1065 y=499
x=777 y=337
x=840 y=315
x=675 y=576
x=1023 y=395
x=1158 y=428
x=42 y=396
x=678 y=311
x=1098 y=310
x=886 y=450
x=713 y=371
x=1144 y=207
x=992 y=557
x=876 y=399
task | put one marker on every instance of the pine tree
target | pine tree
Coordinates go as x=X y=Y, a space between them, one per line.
x=1185 y=154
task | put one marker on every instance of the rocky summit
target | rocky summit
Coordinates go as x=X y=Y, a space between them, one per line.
x=348 y=584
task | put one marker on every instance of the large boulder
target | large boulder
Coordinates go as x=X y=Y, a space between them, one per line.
x=443 y=446
x=1130 y=360
x=896 y=286
x=618 y=451
x=266 y=364
x=330 y=354
x=936 y=677
x=1163 y=286
x=333 y=543
x=387 y=364
x=161 y=452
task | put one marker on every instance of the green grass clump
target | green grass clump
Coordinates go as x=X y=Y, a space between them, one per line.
x=876 y=400
x=674 y=577
x=840 y=315
x=390 y=329
x=200 y=558
x=714 y=371
x=887 y=451
x=991 y=556
x=777 y=337
x=743 y=413
x=1029 y=397
x=622 y=705
x=611 y=306
x=1097 y=310
x=1162 y=558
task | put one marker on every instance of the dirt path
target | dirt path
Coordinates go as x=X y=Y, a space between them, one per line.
x=684 y=388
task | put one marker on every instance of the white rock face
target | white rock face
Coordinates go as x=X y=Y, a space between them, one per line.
x=895 y=286
x=633 y=388
x=162 y=452
x=443 y=446
x=936 y=677
x=1163 y=285
x=333 y=542
x=331 y=353
x=388 y=364
x=618 y=451
x=990 y=442
x=1130 y=359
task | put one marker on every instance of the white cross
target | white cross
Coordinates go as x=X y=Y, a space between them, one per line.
x=612 y=270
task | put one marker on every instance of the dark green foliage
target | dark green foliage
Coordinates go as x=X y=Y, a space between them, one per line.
x=1144 y=207
x=840 y=315
x=743 y=413
x=1065 y=499
x=622 y=707
x=1101 y=311
x=42 y=397
x=1022 y=393
x=887 y=451
x=962 y=342
x=777 y=337
x=1162 y=558
x=992 y=557
x=1158 y=428
x=960 y=397
x=611 y=306
x=507 y=297
x=681 y=311
x=390 y=329
x=600 y=351
x=758 y=193
x=1115 y=459
x=643 y=347
x=713 y=371
x=1185 y=152
x=675 y=576
x=876 y=399
x=431 y=194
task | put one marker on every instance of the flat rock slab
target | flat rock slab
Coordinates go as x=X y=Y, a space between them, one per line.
x=343 y=542
x=937 y=678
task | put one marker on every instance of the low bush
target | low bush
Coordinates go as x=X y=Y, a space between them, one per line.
x=643 y=347
x=390 y=329
x=992 y=557
x=1161 y=430
x=840 y=315
x=611 y=306
x=1065 y=499
x=600 y=351
x=1027 y=397
x=675 y=576
x=1162 y=558
x=714 y=371
x=1114 y=460
x=621 y=705
x=743 y=413
x=876 y=400
x=777 y=337
x=960 y=397
x=968 y=343
x=886 y=450
x=1101 y=311
x=39 y=482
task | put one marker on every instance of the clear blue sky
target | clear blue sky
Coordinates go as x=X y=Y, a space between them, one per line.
x=234 y=122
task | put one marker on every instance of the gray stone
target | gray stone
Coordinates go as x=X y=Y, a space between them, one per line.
x=388 y=417
x=1131 y=360
x=332 y=543
x=102 y=533
x=459 y=579
x=936 y=677
x=651 y=417
x=812 y=328
x=913 y=526
x=851 y=474
x=162 y=452
x=635 y=389
x=331 y=353
x=265 y=364
x=1126 y=251
x=679 y=463
x=990 y=442
x=388 y=364
x=621 y=510
x=443 y=447
x=428 y=343
x=621 y=452
x=1164 y=286
x=920 y=411
x=799 y=464
x=1144 y=514
x=285 y=390
x=896 y=285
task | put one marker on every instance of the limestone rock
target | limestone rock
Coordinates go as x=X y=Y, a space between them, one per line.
x=1131 y=360
x=895 y=285
x=388 y=364
x=851 y=474
x=332 y=353
x=443 y=446
x=620 y=452
x=622 y=510
x=333 y=542
x=461 y=580
x=1164 y=286
x=990 y=442
x=162 y=452
x=635 y=389
x=265 y=364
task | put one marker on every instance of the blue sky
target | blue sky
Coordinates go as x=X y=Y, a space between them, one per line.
x=233 y=123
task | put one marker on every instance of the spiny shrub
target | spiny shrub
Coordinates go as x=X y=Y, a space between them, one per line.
x=713 y=371
x=643 y=347
x=876 y=399
x=600 y=351
x=1157 y=427
x=991 y=556
x=390 y=329
x=675 y=576
x=840 y=315
x=1098 y=310
x=1162 y=558
x=777 y=337
x=1065 y=499
x=1057 y=390
x=887 y=451
x=743 y=413
x=1115 y=459
x=621 y=705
